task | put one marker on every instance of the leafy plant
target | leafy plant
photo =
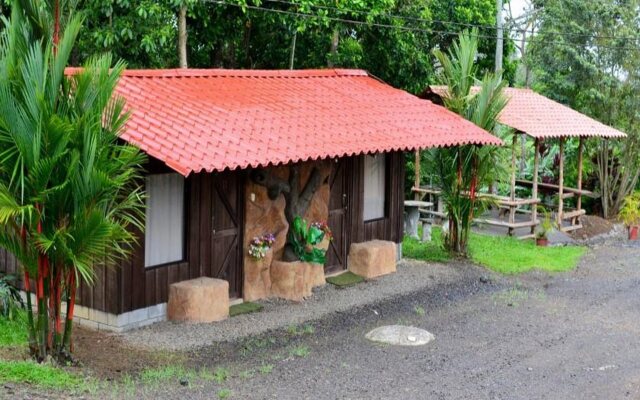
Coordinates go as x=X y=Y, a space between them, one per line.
x=70 y=191
x=10 y=300
x=546 y=225
x=630 y=211
x=303 y=238
x=462 y=170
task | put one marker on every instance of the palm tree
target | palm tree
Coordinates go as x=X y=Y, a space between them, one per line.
x=461 y=170
x=70 y=192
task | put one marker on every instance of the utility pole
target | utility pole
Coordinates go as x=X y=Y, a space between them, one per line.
x=499 y=42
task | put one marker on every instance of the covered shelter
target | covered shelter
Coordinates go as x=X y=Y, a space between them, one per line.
x=540 y=118
x=229 y=149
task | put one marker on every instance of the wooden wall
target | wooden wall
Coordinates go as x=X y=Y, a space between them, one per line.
x=390 y=227
x=212 y=247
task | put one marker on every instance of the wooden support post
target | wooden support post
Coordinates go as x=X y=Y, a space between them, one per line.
x=560 y=184
x=579 y=200
x=534 y=189
x=416 y=181
x=512 y=209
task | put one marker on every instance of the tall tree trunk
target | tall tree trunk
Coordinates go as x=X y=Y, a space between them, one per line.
x=71 y=302
x=182 y=35
x=292 y=54
x=333 y=50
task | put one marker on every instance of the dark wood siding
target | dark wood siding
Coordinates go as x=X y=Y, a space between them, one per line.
x=387 y=228
x=129 y=285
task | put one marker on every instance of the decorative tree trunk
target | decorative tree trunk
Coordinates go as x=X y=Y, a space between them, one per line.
x=297 y=198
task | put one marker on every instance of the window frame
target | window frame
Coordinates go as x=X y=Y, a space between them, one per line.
x=387 y=185
x=185 y=221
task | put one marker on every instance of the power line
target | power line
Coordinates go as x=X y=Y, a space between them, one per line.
x=383 y=25
x=455 y=23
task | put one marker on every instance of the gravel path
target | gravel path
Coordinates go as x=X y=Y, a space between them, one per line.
x=412 y=276
x=537 y=336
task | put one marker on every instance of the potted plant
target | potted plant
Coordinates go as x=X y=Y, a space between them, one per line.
x=543 y=230
x=630 y=214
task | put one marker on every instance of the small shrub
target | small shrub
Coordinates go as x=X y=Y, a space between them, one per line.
x=10 y=299
x=224 y=393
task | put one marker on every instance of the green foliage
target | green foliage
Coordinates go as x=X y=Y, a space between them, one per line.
x=546 y=225
x=427 y=251
x=224 y=393
x=300 y=351
x=265 y=369
x=303 y=240
x=40 y=375
x=10 y=301
x=509 y=255
x=504 y=254
x=69 y=190
x=220 y=375
x=630 y=211
x=593 y=67
x=462 y=170
x=13 y=333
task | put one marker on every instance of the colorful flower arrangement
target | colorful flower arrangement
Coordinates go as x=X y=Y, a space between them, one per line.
x=259 y=246
x=324 y=228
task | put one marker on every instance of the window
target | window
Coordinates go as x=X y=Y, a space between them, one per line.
x=164 y=230
x=374 y=186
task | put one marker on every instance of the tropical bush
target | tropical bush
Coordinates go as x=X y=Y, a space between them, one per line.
x=10 y=299
x=462 y=170
x=70 y=191
x=630 y=211
x=304 y=238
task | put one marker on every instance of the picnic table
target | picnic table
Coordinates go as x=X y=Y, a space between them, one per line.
x=412 y=216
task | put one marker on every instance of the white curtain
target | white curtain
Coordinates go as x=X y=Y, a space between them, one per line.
x=164 y=233
x=374 y=186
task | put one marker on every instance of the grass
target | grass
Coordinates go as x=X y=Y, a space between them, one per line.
x=509 y=255
x=345 y=280
x=295 y=330
x=503 y=254
x=224 y=393
x=427 y=251
x=265 y=369
x=245 y=308
x=41 y=375
x=300 y=351
x=14 y=333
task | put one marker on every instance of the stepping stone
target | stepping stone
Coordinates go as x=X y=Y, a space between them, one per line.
x=400 y=335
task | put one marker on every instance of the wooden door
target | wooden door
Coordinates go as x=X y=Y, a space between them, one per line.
x=226 y=230
x=338 y=209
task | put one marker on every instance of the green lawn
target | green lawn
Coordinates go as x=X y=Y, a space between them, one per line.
x=13 y=333
x=42 y=375
x=503 y=254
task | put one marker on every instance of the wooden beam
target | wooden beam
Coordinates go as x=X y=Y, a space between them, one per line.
x=580 y=151
x=534 y=191
x=416 y=180
x=512 y=210
x=560 y=184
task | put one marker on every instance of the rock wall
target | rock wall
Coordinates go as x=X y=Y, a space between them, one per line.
x=263 y=216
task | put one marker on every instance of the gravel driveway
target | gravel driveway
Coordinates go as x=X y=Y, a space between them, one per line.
x=568 y=336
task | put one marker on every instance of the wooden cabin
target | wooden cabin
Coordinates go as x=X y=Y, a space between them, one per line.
x=207 y=131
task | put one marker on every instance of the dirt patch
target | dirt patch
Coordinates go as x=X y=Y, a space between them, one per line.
x=106 y=356
x=592 y=226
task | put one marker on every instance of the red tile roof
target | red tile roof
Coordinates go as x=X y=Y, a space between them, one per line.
x=540 y=117
x=206 y=120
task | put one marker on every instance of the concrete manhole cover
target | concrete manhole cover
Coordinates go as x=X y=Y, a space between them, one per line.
x=400 y=335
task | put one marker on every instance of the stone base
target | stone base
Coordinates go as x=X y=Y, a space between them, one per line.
x=372 y=259
x=199 y=300
x=295 y=280
x=257 y=278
